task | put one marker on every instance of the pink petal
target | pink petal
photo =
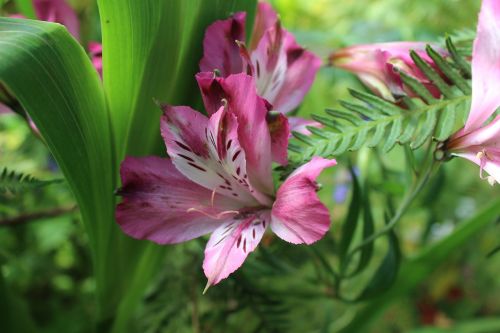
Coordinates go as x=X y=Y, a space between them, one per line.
x=162 y=205
x=208 y=152
x=211 y=91
x=300 y=125
x=486 y=136
x=238 y=90
x=230 y=245
x=270 y=63
x=251 y=112
x=302 y=66
x=264 y=19
x=298 y=216
x=489 y=163
x=284 y=71
x=376 y=64
x=4 y=109
x=220 y=50
x=485 y=66
x=95 y=50
x=60 y=12
x=280 y=133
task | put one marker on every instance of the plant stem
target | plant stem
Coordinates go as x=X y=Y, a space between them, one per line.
x=25 y=218
x=419 y=185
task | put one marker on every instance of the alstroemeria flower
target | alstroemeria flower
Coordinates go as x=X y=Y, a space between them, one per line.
x=479 y=141
x=377 y=66
x=283 y=70
x=218 y=180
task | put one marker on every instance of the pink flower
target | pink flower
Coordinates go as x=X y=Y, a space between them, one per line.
x=377 y=66
x=218 y=180
x=283 y=70
x=479 y=140
x=60 y=12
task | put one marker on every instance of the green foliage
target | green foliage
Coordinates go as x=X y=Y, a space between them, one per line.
x=89 y=129
x=372 y=121
x=152 y=49
x=13 y=182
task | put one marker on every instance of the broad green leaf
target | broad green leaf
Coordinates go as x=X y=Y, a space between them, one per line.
x=414 y=270
x=151 y=53
x=54 y=81
x=152 y=50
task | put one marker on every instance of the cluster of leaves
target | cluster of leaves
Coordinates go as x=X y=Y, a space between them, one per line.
x=372 y=121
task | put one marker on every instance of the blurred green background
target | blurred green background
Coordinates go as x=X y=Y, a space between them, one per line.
x=46 y=261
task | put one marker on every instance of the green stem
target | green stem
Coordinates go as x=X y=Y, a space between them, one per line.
x=419 y=185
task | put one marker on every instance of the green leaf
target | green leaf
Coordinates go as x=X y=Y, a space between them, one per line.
x=372 y=121
x=12 y=181
x=152 y=52
x=55 y=82
x=366 y=250
x=351 y=221
x=14 y=313
x=414 y=270
x=386 y=273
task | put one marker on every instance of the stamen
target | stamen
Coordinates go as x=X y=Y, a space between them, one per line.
x=215 y=217
x=213 y=198
x=483 y=157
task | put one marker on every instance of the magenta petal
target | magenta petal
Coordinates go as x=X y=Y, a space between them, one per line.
x=300 y=125
x=280 y=133
x=208 y=152
x=60 y=12
x=162 y=205
x=230 y=245
x=298 y=216
x=485 y=66
x=486 y=136
x=220 y=50
x=95 y=50
x=488 y=161
x=4 y=109
x=264 y=19
x=211 y=91
x=253 y=132
x=302 y=66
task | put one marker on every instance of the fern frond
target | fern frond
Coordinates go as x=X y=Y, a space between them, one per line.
x=371 y=121
x=14 y=182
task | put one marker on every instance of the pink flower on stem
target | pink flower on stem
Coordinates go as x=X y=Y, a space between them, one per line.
x=283 y=70
x=378 y=66
x=218 y=180
x=479 y=140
